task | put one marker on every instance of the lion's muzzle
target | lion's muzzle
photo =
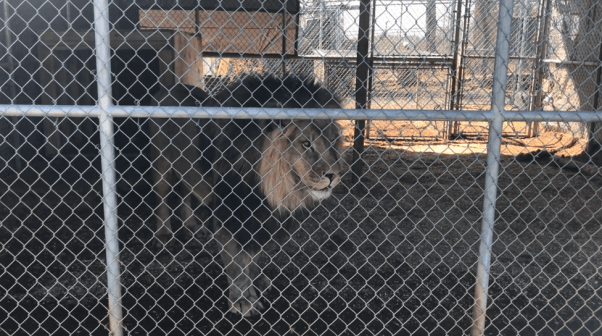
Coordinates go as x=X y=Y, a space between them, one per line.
x=323 y=189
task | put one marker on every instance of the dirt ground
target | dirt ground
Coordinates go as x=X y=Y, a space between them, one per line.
x=394 y=256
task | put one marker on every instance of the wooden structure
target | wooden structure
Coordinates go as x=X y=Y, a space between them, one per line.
x=182 y=32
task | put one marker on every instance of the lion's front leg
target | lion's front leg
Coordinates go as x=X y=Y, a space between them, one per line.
x=161 y=175
x=242 y=272
x=191 y=226
x=194 y=183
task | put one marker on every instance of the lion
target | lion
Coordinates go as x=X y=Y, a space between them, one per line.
x=253 y=174
x=176 y=157
x=265 y=172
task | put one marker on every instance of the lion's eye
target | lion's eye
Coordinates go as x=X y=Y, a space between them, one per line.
x=306 y=144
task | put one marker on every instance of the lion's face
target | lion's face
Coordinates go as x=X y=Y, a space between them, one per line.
x=314 y=156
x=302 y=164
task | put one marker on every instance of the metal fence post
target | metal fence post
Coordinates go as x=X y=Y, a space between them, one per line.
x=363 y=71
x=493 y=155
x=107 y=156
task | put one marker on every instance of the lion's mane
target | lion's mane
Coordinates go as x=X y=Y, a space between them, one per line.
x=261 y=175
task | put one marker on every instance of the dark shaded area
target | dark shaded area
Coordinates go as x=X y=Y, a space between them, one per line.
x=386 y=262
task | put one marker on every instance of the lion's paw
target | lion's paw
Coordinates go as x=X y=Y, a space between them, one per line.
x=202 y=233
x=262 y=282
x=246 y=308
x=192 y=229
x=248 y=304
x=162 y=237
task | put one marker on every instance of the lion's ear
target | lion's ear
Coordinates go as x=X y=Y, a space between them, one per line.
x=287 y=127
x=283 y=123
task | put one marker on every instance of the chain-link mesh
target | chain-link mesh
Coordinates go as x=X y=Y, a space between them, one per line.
x=202 y=235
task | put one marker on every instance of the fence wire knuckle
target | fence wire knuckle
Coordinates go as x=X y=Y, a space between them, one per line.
x=300 y=167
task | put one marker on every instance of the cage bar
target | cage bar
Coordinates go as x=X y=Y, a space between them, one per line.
x=493 y=159
x=107 y=155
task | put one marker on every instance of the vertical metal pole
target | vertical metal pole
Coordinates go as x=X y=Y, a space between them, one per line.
x=455 y=68
x=371 y=69
x=107 y=157
x=542 y=38
x=461 y=66
x=431 y=25
x=493 y=156
x=524 y=14
x=283 y=61
x=361 y=87
x=456 y=55
x=321 y=28
x=592 y=143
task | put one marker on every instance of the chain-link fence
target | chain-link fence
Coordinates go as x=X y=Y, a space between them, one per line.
x=183 y=168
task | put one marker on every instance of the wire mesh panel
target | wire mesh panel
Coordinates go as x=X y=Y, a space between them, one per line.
x=51 y=233
x=234 y=129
